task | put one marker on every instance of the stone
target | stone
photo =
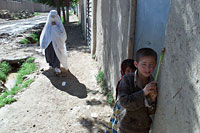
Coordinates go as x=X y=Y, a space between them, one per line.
x=20 y=35
x=4 y=35
x=94 y=115
x=2 y=86
x=5 y=14
x=13 y=60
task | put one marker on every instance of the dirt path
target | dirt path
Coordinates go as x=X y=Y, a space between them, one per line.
x=48 y=107
x=17 y=26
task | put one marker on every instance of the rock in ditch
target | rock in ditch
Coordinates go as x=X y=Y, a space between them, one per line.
x=15 y=60
x=2 y=86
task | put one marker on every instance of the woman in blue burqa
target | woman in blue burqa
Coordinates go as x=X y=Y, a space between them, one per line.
x=52 y=40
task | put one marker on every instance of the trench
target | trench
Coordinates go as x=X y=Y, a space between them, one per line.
x=12 y=75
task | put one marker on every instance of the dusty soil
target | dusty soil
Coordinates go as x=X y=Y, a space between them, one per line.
x=47 y=106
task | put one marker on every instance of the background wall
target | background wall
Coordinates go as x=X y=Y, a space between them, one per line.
x=82 y=16
x=170 y=24
x=151 y=22
x=14 y=6
x=178 y=109
x=99 y=33
x=112 y=37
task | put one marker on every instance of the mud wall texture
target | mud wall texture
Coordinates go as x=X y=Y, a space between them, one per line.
x=178 y=108
x=15 y=6
x=99 y=34
x=112 y=37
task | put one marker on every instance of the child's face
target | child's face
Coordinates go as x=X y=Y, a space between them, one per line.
x=146 y=66
x=128 y=70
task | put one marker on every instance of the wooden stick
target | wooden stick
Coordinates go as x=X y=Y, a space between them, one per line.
x=159 y=63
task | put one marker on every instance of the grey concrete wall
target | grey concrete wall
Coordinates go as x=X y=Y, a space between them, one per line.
x=42 y=8
x=178 y=109
x=112 y=37
x=151 y=22
x=14 y=6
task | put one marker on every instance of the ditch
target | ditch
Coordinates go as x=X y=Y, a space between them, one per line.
x=14 y=78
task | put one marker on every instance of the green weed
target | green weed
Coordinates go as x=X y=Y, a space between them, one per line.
x=25 y=41
x=35 y=37
x=62 y=20
x=103 y=84
x=110 y=99
x=79 y=22
x=36 y=13
x=5 y=68
x=3 y=77
x=6 y=100
x=71 y=13
x=26 y=69
x=30 y=60
x=100 y=77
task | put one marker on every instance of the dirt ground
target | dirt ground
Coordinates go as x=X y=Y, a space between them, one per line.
x=47 y=106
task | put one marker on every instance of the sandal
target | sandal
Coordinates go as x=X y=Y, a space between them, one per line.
x=58 y=71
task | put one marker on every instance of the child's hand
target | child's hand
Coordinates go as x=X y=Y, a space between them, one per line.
x=150 y=88
x=154 y=95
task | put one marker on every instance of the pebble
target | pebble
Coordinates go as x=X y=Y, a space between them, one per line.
x=94 y=115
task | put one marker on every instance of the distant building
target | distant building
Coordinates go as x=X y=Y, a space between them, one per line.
x=18 y=5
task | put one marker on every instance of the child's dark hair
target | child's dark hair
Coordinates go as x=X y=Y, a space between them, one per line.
x=127 y=63
x=145 y=52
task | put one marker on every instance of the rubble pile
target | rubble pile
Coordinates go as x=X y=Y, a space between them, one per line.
x=5 y=14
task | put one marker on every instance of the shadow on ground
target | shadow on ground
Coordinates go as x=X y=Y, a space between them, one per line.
x=93 y=102
x=90 y=123
x=72 y=87
x=75 y=38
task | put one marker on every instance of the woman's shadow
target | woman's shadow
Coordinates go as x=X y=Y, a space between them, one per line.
x=72 y=86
